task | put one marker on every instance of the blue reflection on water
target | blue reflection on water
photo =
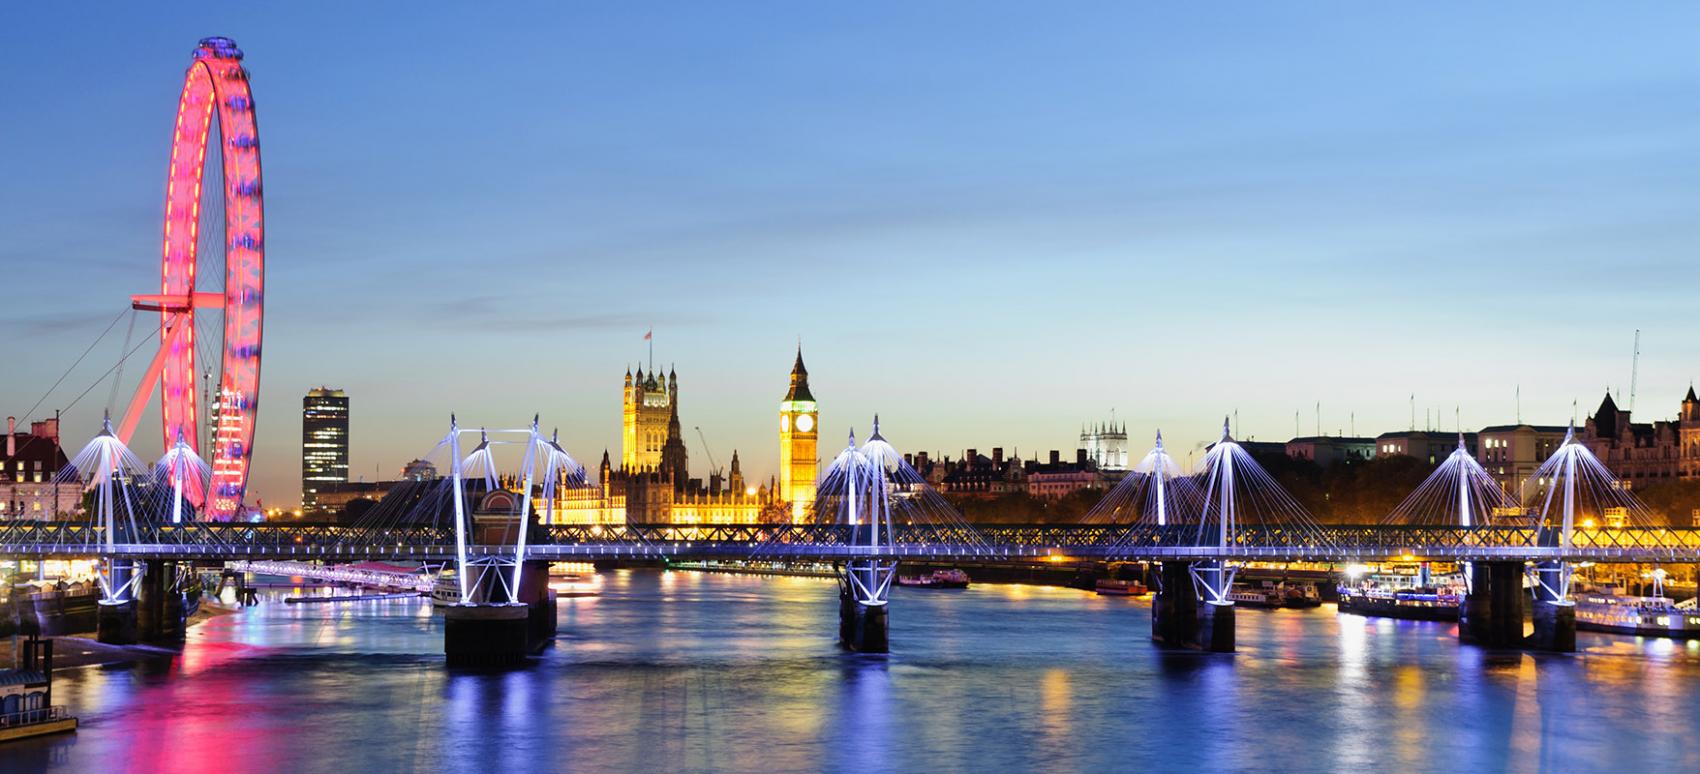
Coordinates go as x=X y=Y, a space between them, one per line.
x=693 y=672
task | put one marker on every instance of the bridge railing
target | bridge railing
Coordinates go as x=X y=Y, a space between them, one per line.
x=1091 y=540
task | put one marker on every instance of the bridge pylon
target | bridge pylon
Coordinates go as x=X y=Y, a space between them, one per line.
x=859 y=491
x=506 y=611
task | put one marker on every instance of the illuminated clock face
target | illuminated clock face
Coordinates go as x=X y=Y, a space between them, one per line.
x=784 y=422
x=805 y=423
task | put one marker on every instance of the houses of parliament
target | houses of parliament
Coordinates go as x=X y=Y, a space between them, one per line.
x=652 y=483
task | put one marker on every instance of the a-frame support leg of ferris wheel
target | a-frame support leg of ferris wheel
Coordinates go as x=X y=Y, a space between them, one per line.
x=177 y=313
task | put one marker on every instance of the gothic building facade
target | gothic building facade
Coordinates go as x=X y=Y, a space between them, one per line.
x=1646 y=453
x=1105 y=445
x=647 y=403
x=652 y=484
x=799 y=432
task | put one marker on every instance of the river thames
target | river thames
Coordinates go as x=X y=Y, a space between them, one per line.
x=692 y=672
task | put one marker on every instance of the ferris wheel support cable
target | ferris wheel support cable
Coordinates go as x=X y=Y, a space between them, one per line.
x=74 y=364
x=118 y=378
x=102 y=377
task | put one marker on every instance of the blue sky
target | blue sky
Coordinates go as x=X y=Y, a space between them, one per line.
x=988 y=222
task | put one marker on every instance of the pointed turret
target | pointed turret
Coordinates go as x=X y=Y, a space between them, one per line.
x=799 y=380
x=735 y=477
x=674 y=461
x=1609 y=421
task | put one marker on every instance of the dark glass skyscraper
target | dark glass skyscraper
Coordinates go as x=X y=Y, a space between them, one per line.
x=324 y=443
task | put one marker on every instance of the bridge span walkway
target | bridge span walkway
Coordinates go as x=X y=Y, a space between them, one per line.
x=833 y=542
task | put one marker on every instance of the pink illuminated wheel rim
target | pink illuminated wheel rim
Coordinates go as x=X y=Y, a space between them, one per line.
x=212 y=275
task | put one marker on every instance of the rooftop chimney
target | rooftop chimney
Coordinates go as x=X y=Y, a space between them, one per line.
x=11 y=442
x=997 y=456
x=1056 y=457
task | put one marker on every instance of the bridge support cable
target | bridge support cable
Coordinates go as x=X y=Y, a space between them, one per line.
x=1148 y=501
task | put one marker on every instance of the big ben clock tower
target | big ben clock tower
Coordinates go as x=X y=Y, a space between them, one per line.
x=798 y=461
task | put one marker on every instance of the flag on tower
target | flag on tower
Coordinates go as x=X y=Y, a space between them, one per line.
x=649 y=334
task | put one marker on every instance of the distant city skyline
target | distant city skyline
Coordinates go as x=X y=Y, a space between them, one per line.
x=987 y=225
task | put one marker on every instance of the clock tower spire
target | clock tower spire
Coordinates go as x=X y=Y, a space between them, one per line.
x=798 y=462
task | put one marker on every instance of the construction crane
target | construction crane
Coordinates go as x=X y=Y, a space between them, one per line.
x=714 y=467
x=1634 y=370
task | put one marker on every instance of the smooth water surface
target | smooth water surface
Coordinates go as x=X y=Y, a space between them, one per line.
x=690 y=672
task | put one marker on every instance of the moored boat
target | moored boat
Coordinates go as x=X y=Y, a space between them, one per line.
x=937 y=579
x=1275 y=594
x=446 y=591
x=1117 y=587
x=1417 y=604
x=1655 y=616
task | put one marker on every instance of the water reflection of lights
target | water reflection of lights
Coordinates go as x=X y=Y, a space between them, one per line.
x=867 y=699
x=1056 y=705
x=745 y=676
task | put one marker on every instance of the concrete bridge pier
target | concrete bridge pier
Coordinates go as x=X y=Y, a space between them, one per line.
x=493 y=632
x=486 y=634
x=159 y=603
x=1216 y=627
x=149 y=610
x=864 y=605
x=1214 y=579
x=542 y=619
x=1174 y=608
x=1191 y=608
x=115 y=618
x=1554 y=613
x=1492 y=612
x=115 y=622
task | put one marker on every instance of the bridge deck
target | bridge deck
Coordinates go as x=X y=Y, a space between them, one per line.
x=1337 y=543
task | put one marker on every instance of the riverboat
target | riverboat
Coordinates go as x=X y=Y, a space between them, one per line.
x=1116 y=587
x=937 y=579
x=1416 y=604
x=575 y=585
x=1274 y=594
x=446 y=591
x=1655 y=616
